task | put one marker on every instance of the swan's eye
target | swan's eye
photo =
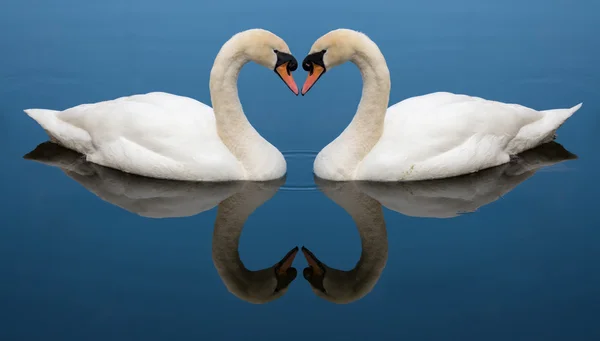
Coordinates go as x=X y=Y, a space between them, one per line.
x=323 y=51
x=276 y=51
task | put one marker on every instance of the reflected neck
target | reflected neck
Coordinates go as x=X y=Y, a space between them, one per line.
x=232 y=214
x=367 y=214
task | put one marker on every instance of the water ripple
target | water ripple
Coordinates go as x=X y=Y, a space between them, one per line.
x=299 y=175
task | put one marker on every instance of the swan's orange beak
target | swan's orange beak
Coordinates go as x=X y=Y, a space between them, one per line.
x=313 y=262
x=285 y=73
x=316 y=71
x=287 y=261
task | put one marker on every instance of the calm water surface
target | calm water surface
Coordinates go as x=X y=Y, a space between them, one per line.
x=507 y=254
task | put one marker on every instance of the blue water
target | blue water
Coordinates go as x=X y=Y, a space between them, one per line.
x=523 y=267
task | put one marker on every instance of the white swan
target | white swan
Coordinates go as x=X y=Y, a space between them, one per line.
x=167 y=136
x=438 y=135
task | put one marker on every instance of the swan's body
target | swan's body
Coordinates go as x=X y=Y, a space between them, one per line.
x=443 y=135
x=167 y=136
x=433 y=136
x=156 y=134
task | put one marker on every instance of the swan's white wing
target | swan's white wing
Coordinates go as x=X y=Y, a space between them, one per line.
x=441 y=135
x=155 y=134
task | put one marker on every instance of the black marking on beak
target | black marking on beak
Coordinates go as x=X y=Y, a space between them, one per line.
x=315 y=272
x=284 y=272
x=310 y=63
x=283 y=58
x=285 y=65
x=314 y=58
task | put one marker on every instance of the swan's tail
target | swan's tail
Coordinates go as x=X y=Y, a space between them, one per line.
x=556 y=118
x=60 y=131
x=41 y=115
x=45 y=118
x=541 y=131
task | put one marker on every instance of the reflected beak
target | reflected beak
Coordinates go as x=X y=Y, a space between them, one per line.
x=284 y=73
x=313 y=262
x=287 y=261
x=313 y=76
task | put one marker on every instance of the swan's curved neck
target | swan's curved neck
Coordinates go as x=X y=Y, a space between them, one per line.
x=233 y=126
x=375 y=97
x=366 y=127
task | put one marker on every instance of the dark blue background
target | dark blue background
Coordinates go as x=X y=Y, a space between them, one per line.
x=74 y=267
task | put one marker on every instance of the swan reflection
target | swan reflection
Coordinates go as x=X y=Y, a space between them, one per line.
x=147 y=197
x=446 y=198
x=236 y=201
x=441 y=198
x=158 y=198
x=339 y=286
x=260 y=286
